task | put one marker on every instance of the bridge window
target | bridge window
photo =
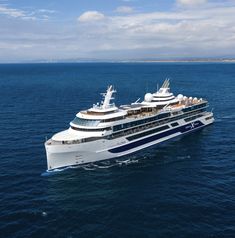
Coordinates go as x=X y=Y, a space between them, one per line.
x=85 y=122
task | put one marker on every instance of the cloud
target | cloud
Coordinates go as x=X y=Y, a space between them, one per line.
x=46 y=11
x=40 y=14
x=190 y=2
x=181 y=32
x=124 y=9
x=12 y=12
x=90 y=16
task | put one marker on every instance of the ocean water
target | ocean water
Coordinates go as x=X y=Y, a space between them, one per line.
x=182 y=188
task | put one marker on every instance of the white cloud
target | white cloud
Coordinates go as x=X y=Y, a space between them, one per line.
x=182 y=32
x=46 y=11
x=40 y=14
x=90 y=16
x=190 y=2
x=124 y=9
x=12 y=12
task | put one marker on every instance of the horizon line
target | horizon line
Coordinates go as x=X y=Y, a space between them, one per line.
x=173 y=60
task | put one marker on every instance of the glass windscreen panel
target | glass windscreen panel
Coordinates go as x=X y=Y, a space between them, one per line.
x=85 y=122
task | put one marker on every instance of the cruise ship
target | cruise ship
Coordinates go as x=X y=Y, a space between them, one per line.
x=106 y=131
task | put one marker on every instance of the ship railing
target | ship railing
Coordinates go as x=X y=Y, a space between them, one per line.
x=139 y=129
x=111 y=105
x=64 y=142
x=71 y=142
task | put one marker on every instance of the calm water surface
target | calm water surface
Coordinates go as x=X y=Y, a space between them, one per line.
x=182 y=188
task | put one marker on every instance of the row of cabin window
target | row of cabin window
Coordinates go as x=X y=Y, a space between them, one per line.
x=192 y=118
x=189 y=114
x=188 y=109
x=139 y=122
x=162 y=122
x=140 y=135
x=138 y=128
x=162 y=128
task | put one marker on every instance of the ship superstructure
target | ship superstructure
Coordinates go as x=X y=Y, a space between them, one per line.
x=106 y=131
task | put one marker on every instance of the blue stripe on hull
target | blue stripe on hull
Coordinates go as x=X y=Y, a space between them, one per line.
x=181 y=129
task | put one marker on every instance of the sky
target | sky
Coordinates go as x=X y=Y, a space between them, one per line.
x=57 y=30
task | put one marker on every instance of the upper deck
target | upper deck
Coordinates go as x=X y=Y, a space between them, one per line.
x=136 y=111
x=162 y=100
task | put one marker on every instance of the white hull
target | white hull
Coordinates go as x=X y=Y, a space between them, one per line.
x=63 y=155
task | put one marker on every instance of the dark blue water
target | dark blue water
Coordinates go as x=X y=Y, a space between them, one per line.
x=182 y=188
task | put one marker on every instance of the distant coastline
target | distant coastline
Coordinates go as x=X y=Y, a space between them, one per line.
x=189 y=60
x=87 y=60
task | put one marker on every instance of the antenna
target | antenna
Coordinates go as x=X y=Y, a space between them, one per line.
x=107 y=97
x=137 y=100
x=166 y=83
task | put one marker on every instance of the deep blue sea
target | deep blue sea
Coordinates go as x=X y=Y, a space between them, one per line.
x=181 y=188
